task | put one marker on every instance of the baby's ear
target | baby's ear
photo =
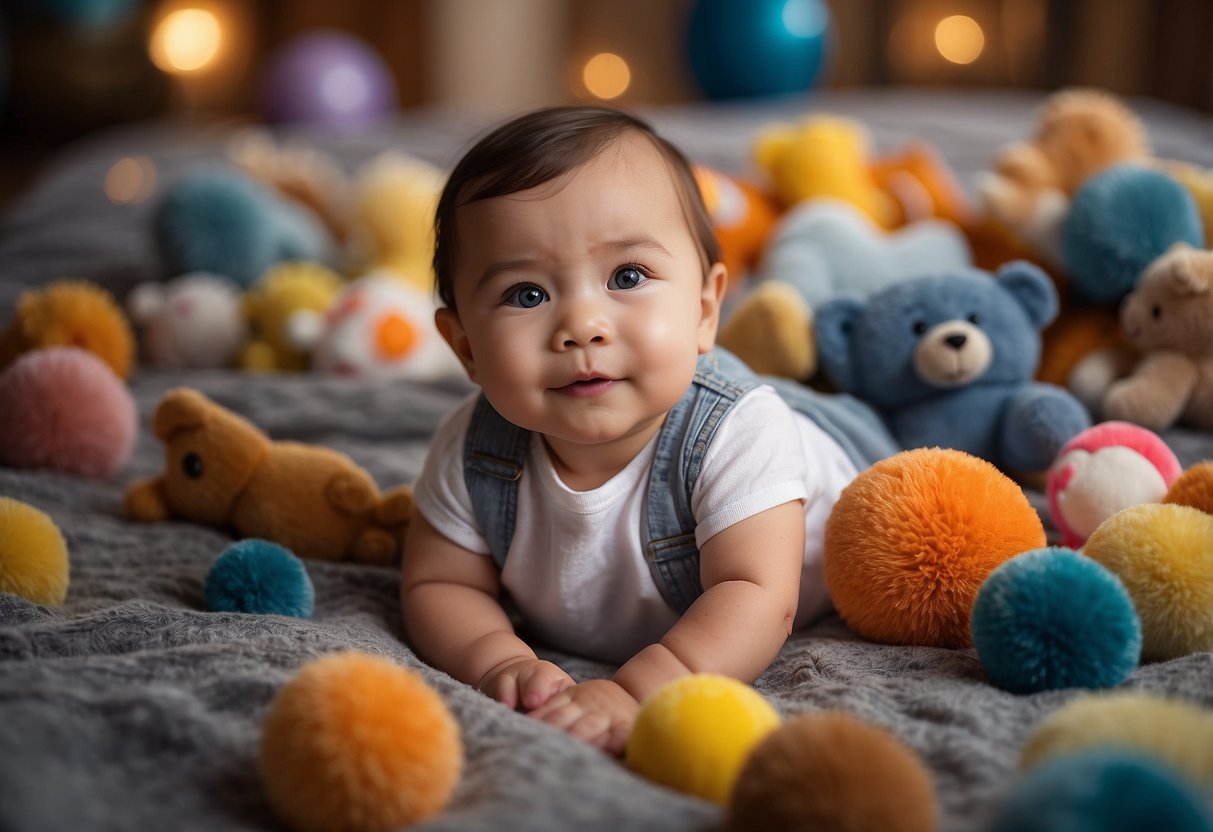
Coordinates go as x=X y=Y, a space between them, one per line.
x=834 y=325
x=452 y=331
x=1031 y=288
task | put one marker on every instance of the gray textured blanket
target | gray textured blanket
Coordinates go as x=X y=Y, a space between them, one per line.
x=131 y=707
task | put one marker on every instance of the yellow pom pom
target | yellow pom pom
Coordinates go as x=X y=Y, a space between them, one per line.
x=830 y=771
x=693 y=735
x=33 y=554
x=1174 y=732
x=355 y=743
x=1164 y=556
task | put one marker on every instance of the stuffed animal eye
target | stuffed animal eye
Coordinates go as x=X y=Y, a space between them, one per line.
x=1156 y=312
x=191 y=465
x=920 y=327
x=975 y=318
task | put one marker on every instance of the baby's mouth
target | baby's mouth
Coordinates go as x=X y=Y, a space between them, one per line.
x=586 y=388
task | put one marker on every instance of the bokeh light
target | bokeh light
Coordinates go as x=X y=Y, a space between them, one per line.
x=186 y=40
x=959 y=39
x=130 y=179
x=606 y=76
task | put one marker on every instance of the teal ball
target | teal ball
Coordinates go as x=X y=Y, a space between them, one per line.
x=1052 y=618
x=1101 y=791
x=259 y=577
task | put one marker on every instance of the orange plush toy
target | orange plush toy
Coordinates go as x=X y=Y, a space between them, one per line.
x=742 y=216
x=70 y=313
x=220 y=470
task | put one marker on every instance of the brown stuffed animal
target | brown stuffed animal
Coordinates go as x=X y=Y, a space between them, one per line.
x=220 y=470
x=1169 y=318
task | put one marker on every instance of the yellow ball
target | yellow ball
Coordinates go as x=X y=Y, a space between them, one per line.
x=693 y=734
x=1164 y=556
x=33 y=554
x=355 y=743
x=1172 y=731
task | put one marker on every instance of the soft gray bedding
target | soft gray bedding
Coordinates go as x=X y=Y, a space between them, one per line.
x=131 y=707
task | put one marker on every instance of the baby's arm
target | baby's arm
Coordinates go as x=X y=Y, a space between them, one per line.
x=449 y=600
x=751 y=579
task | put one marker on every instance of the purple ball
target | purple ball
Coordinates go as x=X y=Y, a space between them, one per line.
x=326 y=77
x=65 y=409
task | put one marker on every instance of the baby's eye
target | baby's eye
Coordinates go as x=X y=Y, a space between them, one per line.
x=525 y=297
x=626 y=277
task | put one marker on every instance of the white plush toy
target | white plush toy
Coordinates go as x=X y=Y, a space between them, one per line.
x=379 y=326
x=193 y=321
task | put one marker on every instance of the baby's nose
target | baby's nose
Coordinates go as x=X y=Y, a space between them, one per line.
x=582 y=324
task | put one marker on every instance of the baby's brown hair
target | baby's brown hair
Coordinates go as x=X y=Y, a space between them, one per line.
x=540 y=146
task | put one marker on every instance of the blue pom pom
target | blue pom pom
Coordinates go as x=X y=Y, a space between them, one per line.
x=1052 y=618
x=1101 y=791
x=222 y=222
x=260 y=577
x=1120 y=220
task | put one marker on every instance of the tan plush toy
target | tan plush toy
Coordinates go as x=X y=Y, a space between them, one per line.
x=1169 y=318
x=220 y=470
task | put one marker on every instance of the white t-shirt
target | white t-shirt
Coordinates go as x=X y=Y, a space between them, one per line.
x=576 y=569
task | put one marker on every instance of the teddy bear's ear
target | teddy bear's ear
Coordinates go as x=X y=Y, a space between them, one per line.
x=180 y=408
x=1031 y=288
x=1184 y=273
x=834 y=324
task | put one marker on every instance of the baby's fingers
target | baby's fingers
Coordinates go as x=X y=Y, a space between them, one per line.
x=505 y=690
x=542 y=685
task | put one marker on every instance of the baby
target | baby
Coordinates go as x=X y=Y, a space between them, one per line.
x=617 y=488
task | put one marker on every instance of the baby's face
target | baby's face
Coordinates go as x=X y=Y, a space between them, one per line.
x=582 y=302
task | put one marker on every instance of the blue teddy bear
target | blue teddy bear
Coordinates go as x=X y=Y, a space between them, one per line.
x=948 y=361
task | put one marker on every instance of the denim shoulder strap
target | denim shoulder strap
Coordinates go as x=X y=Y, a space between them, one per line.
x=493 y=453
x=720 y=380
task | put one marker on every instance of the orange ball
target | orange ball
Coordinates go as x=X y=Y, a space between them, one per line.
x=355 y=743
x=830 y=771
x=912 y=539
x=1194 y=488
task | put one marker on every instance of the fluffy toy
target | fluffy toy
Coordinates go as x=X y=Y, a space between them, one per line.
x=826 y=246
x=1199 y=182
x=771 y=330
x=394 y=200
x=1164 y=555
x=259 y=577
x=1194 y=488
x=694 y=733
x=742 y=216
x=220 y=221
x=355 y=743
x=64 y=409
x=378 y=327
x=1169 y=319
x=1173 y=732
x=271 y=305
x=1101 y=791
x=33 y=554
x=1119 y=222
x=1079 y=133
x=824 y=156
x=829 y=772
x=194 y=321
x=1107 y=467
x=912 y=539
x=70 y=314
x=220 y=470
x=1051 y=618
x=922 y=185
x=948 y=361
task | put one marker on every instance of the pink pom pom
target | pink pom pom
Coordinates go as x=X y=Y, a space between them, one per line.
x=65 y=409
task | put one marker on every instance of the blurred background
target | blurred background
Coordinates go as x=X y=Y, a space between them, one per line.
x=71 y=67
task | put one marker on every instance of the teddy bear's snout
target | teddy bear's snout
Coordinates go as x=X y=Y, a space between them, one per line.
x=952 y=353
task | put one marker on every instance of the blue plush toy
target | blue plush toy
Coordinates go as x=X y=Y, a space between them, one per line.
x=948 y=361
x=259 y=577
x=220 y=221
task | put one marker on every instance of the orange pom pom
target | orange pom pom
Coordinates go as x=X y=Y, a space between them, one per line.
x=832 y=772
x=355 y=743
x=1194 y=488
x=912 y=539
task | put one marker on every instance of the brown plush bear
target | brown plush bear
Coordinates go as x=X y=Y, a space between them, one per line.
x=220 y=470
x=1169 y=318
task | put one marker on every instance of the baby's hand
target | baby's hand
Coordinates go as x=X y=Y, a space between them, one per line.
x=598 y=711
x=524 y=681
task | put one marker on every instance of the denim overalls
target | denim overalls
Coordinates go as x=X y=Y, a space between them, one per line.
x=494 y=452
